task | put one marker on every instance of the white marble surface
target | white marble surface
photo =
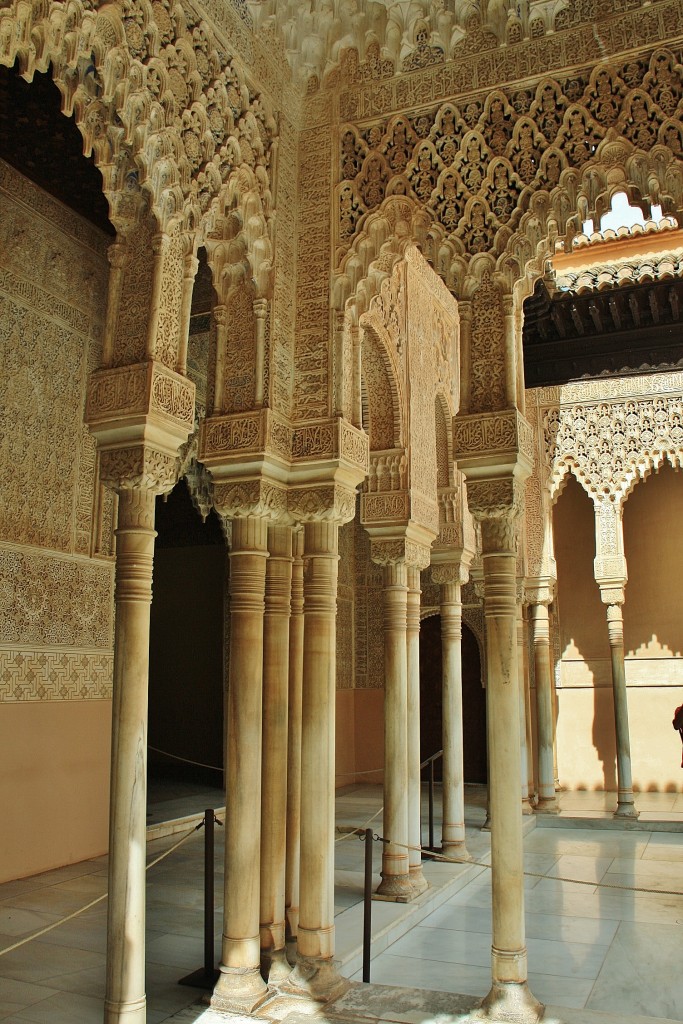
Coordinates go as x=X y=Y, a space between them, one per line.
x=596 y=955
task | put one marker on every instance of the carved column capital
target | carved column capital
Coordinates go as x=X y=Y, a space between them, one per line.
x=138 y=467
x=258 y=497
x=394 y=550
x=332 y=502
x=497 y=505
x=449 y=572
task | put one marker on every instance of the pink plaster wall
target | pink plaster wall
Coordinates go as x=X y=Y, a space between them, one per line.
x=54 y=785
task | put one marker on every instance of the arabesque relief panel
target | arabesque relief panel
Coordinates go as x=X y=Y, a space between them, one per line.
x=56 y=602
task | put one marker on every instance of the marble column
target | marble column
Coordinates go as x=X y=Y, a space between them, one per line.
x=395 y=884
x=125 y=979
x=522 y=677
x=547 y=799
x=453 y=827
x=615 y=625
x=417 y=878
x=509 y=998
x=275 y=747
x=240 y=986
x=296 y=664
x=315 y=973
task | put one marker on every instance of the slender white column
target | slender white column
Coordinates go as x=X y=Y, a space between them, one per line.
x=509 y=998
x=547 y=799
x=395 y=882
x=625 y=802
x=521 y=675
x=453 y=827
x=274 y=774
x=296 y=664
x=417 y=878
x=125 y=981
x=240 y=986
x=315 y=973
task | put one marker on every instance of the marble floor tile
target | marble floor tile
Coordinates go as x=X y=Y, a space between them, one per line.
x=16 y=922
x=40 y=962
x=642 y=972
x=64 y=1008
x=15 y=996
x=563 y=992
x=407 y=971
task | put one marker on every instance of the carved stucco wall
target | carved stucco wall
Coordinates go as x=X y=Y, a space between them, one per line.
x=56 y=573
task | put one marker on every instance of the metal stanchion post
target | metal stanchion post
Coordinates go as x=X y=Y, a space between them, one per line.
x=367 y=906
x=207 y=975
x=431 y=804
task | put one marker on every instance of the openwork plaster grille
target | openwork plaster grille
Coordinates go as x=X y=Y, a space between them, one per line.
x=611 y=443
x=475 y=164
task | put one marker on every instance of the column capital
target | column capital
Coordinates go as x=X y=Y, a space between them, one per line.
x=497 y=504
x=540 y=590
x=258 y=496
x=325 y=502
x=612 y=595
x=449 y=572
x=390 y=550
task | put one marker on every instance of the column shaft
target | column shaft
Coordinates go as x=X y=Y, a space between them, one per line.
x=240 y=985
x=509 y=998
x=547 y=800
x=315 y=973
x=521 y=676
x=395 y=882
x=453 y=828
x=625 y=802
x=125 y=981
x=296 y=664
x=275 y=738
x=417 y=878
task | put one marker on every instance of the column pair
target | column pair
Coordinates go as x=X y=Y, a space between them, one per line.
x=449 y=576
x=402 y=876
x=257 y=763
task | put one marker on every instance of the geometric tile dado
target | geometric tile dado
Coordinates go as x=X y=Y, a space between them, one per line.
x=40 y=675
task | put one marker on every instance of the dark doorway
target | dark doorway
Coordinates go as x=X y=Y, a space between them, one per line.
x=186 y=651
x=473 y=699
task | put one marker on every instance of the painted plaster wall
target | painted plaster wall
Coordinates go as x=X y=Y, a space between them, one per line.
x=653 y=638
x=54 y=784
x=56 y=565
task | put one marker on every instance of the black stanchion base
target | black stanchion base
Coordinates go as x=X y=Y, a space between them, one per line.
x=201 y=979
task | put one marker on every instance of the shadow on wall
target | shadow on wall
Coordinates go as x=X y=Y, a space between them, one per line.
x=653 y=636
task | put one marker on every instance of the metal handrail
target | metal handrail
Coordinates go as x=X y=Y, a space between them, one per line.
x=430 y=761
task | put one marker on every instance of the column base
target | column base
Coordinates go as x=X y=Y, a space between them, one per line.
x=527 y=807
x=547 y=805
x=395 y=887
x=486 y=827
x=627 y=810
x=132 y=1012
x=510 y=1001
x=418 y=880
x=239 y=989
x=275 y=967
x=455 y=848
x=317 y=979
x=290 y=948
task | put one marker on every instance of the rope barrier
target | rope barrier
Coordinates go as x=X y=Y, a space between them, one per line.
x=215 y=768
x=99 y=899
x=185 y=760
x=361 y=829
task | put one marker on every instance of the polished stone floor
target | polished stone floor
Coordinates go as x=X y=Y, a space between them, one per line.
x=597 y=955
